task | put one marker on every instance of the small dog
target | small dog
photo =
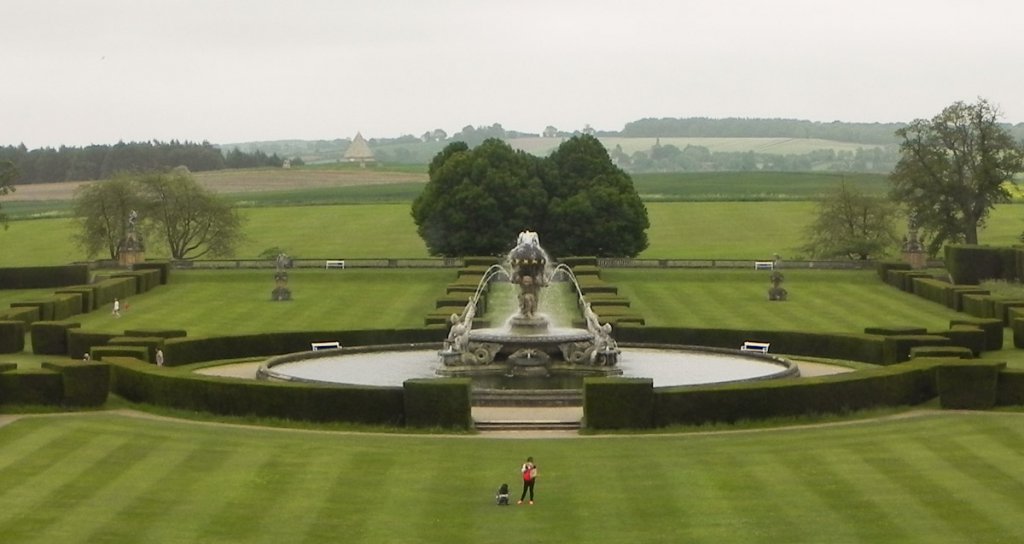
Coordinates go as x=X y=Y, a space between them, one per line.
x=502 y=496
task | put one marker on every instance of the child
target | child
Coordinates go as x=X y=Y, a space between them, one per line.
x=502 y=497
x=529 y=471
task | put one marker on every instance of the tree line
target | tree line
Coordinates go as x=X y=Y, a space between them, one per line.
x=47 y=164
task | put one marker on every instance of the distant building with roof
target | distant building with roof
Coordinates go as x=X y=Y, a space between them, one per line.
x=359 y=151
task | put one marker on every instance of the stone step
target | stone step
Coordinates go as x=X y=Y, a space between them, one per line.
x=484 y=426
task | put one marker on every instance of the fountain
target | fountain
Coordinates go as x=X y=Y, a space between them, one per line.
x=528 y=343
x=532 y=351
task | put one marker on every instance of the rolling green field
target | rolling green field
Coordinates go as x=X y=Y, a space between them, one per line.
x=679 y=230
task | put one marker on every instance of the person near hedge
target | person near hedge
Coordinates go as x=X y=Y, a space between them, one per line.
x=529 y=470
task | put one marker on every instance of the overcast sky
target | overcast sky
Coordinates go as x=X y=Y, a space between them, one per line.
x=78 y=72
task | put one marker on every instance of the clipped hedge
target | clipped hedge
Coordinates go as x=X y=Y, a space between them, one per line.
x=87 y=294
x=41 y=277
x=151 y=343
x=897 y=347
x=969 y=264
x=618 y=403
x=931 y=289
x=969 y=385
x=83 y=383
x=12 y=336
x=139 y=382
x=442 y=402
x=31 y=386
x=967 y=336
x=160 y=333
x=895 y=330
x=100 y=353
x=109 y=289
x=866 y=348
x=993 y=328
x=163 y=269
x=958 y=352
x=180 y=351
x=51 y=337
x=1001 y=309
x=81 y=342
x=27 y=314
x=1010 y=388
x=44 y=308
x=904 y=384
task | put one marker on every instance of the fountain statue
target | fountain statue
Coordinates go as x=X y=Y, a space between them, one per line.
x=528 y=344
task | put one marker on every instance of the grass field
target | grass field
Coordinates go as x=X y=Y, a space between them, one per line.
x=679 y=230
x=211 y=302
x=943 y=477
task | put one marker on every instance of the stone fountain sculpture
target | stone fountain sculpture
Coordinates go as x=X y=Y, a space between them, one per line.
x=528 y=344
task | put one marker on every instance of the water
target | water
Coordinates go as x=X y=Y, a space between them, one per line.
x=666 y=367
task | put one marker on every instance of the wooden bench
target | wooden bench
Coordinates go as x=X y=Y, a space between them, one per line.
x=764 y=265
x=760 y=347
x=317 y=346
x=334 y=264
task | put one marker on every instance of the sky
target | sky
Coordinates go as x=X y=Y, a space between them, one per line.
x=80 y=72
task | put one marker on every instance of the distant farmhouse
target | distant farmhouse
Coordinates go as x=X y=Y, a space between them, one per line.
x=359 y=151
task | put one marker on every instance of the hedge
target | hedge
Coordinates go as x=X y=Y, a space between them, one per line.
x=151 y=343
x=100 y=353
x=967 y=336
x=40 y=277
x=180 y=351
x=31 y=386
x=44 y=308
x=969 y=264
x=993 y=328
x=618 y=403
x=442 y=402
x=139 y=382
x=897 y=347
x=969 y=385
x=163 y=269
x=87 y=293
x=161 y=333
x=51 y=337
x=81 y=342
x=1010 y=388
x=958 y=352
x=854 y=347
x=883 y=268
x=26 y=314
x=1001 y=309
x=12 y=336
x=83 y=383
x=904 y=384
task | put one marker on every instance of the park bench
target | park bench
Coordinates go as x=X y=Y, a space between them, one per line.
x=764 y=265
x=334 y=264
x=317 y=346
x=760 y=347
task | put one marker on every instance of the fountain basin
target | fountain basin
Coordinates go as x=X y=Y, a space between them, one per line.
x=391 y=366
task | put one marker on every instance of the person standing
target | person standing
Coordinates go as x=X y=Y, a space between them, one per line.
x=529 y=470
x=159 y=357
x=116 y=312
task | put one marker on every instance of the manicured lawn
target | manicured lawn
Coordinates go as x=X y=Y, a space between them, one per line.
x=949 y=477
x=222 y=302
x=819 y=300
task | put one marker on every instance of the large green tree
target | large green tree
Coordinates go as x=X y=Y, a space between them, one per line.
x=7 y=174
x=477 y=200
x=952 y=170
x=853 y=225
x=101 y=210
x=191 y=220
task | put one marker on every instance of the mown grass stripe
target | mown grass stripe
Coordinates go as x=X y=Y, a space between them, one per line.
x=68 y=484
x=113 y=486
x=922 y=489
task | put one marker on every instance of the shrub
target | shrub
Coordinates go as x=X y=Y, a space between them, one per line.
x=883 y=268
x=969 y=264
x=141 y=353
x=897 y=347
x=26 y=314
x=898 y=385
x=84 y=383
x=40 y=277
x=161 y=333
x=438 y=403
x=1010 y=386
x=151 y=343
x=81 y=342
x=618 y=403
x=958 y=352
x=967 y=336
x=163 y=269
x=87 y=294
x=51 y=337
x=967 y=385
x=44 y=308
x=31 y=386
x=140 y=382
x=889 y=331
x=12 y=336
x=993 y=328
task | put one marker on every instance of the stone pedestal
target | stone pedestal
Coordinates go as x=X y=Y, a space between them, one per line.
x=917 y=259
x=128 y=257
